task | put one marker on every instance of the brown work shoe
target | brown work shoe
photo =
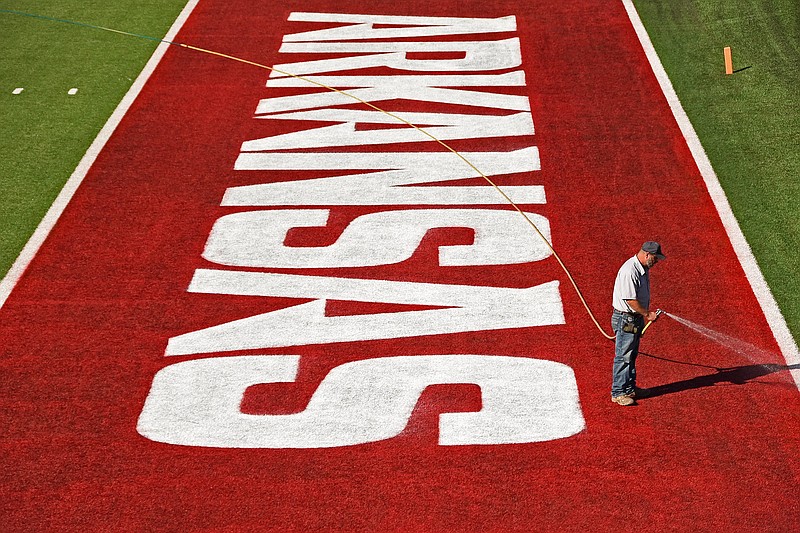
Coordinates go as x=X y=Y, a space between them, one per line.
x=623 y=400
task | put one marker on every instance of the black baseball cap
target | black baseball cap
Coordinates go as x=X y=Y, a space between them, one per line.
x=654 y=248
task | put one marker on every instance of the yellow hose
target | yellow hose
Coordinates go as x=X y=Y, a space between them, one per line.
x=368 y=104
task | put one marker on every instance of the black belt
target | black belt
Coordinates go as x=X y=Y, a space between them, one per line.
x=629 y=313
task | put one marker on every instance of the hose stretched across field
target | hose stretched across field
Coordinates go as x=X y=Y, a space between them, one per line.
x=364 y=102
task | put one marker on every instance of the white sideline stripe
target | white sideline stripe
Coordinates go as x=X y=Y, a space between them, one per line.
x=68 y=191
x=759 y=285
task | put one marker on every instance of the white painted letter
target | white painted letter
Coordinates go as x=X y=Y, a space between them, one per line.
x=392 y=184
x=196 y=403
x=442 y=126
x=255 y=239
x=362 y=26
x=479 y=56
x=466 y=308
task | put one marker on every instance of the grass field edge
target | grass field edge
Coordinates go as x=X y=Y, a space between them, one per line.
x=48 y=222
x=744 y=253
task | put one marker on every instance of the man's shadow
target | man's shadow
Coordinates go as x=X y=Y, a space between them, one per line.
x=738 y=375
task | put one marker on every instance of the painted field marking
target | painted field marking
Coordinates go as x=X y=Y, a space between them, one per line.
x=742 y=249
x=71 y=186
x=18 y=90
x=766 y=300
x=72 y=91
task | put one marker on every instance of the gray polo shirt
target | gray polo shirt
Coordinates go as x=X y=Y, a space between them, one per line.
x=633 y=283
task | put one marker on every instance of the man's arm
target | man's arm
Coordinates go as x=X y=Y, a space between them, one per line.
x=639 y=308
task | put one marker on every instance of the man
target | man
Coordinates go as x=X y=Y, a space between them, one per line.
x=631 y=301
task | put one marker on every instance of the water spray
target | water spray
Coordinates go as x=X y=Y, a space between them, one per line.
x=753 y=353
x=745 y=349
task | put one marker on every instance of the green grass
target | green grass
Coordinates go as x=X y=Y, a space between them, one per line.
x=748 y=122
x=44 y=132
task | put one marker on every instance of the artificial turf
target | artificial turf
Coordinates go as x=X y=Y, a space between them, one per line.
x=748 y=122
x=44 y=130
x=83 y=338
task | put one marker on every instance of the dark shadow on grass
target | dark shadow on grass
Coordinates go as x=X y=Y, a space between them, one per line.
x=738 y=375
x=741 y=69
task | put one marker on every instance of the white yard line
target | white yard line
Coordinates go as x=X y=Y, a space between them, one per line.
x=759 y=285
x=54 y=213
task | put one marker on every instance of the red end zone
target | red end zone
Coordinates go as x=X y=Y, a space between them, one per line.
x=133 y=267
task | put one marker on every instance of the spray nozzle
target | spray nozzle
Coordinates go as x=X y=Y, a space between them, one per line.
x=658 y=313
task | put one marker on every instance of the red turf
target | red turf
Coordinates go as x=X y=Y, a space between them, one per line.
x=85 y=330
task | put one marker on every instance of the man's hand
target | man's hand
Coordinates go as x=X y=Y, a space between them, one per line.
x=639 y=308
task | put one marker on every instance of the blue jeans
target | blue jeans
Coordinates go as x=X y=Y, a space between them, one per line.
x=627 y=348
